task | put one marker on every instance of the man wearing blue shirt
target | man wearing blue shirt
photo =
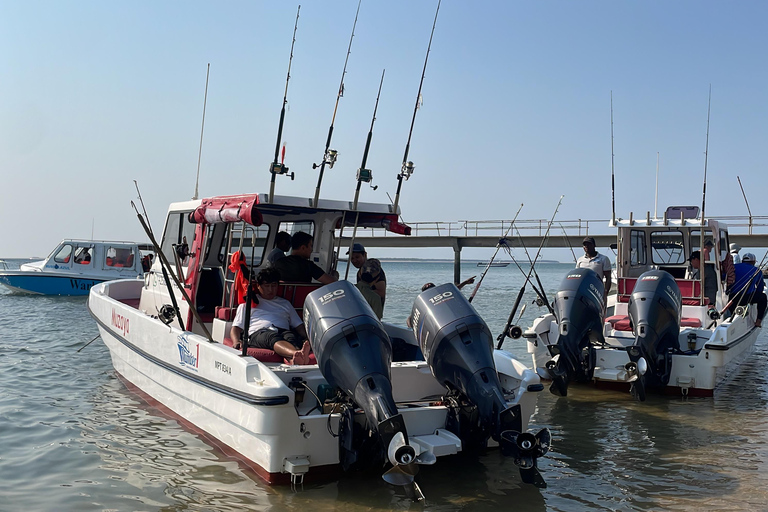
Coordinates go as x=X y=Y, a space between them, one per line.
x=749 y=286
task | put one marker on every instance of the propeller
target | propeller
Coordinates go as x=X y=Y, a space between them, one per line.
x=559 y=385
x=405 y=465
x=526 y=448
x=636 y=371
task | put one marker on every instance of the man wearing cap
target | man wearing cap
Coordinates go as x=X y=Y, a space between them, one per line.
x=750 y=286
x=369 y=271
x=710 y=281
x=298 y=267
x=596 y=261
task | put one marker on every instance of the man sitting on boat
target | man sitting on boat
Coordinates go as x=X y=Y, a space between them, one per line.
x=750 y=286
x=274 y=323
x=710 y=277
x=596 y=261
x=298 y=267
x=282 y=244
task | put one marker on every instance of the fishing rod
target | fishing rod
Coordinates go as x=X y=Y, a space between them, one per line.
x=329 y=157
x=568 y=241
x=613 y=181
x=406 y=170
x=656 y=197
x=149 y=225
x=505 y=332
x=249 y=297
x=279 y=168
x=200 y=150
x=704 y=190
x=502 y=241
x=166 y=265
x=542 y=295
x=363 y=175
x=745 y=200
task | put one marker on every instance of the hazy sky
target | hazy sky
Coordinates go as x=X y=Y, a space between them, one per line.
x=96 y=94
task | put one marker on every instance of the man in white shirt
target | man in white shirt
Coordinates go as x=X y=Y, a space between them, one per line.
x=274 y=324
x=596 y=261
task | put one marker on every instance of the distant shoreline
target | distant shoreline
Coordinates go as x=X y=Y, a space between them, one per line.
x=445 y=260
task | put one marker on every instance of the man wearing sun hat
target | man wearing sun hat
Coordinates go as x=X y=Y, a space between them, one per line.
x=749 y=287
x=596 y=261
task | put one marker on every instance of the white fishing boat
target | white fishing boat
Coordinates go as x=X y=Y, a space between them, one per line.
x=372 y=400
x=660 y=331
x=74 y=266
x=492 y=264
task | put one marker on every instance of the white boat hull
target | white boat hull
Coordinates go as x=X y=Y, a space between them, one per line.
x=716 y=356
x=247 y=407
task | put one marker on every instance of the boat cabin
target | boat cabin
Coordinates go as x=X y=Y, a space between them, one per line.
x=201 y=236
x=89 y=256
x=666 y=244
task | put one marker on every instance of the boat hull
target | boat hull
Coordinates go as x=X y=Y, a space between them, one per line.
x=695 y=372
x=246 y=407
x=48 y=283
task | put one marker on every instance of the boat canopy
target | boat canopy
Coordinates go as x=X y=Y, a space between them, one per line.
x=248 y=208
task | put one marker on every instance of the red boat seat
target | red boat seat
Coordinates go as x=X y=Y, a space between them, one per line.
x=267 y=356
x=622 y=322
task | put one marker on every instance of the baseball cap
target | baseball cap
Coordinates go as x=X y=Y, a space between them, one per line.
x=695 y=255
x=356 y=247
x=588 y=240
x=748 y=256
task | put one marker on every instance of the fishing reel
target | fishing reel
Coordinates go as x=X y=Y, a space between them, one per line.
x=276 y=168
x=366 y=175
x=329 y=159
x=407 y=170
x=167 y=313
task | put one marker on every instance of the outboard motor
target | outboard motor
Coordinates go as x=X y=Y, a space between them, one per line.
x=655 y=307
x=458 y=347
x=579 y=308
x=354 y=354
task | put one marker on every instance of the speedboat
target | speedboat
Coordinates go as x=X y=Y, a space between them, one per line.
x=660 y=332
x=380 y=397
x=74 y=266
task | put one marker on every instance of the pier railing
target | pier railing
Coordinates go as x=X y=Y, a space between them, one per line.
x=747 y=225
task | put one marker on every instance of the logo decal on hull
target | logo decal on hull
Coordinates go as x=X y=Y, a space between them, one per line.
x=120 y=323
x=186 y=357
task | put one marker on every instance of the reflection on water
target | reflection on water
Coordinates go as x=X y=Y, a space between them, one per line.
x=73 y=438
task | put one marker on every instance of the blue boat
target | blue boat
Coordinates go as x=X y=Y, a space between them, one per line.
x=74 y=266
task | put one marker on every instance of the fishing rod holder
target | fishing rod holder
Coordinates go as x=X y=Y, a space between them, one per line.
x=407 y=170
x=276 y=168
x=329 y=159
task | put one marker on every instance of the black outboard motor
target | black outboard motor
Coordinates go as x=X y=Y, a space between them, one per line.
x=354 y=354
x=458 y=347
x=579 y=308
x=655 y=307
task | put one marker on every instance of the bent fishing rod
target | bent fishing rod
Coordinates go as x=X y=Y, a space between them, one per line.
x=279 y=168
x=406 y=169
x=329 y=157
x=502 y=241
x=511 y=318
x=363 y=175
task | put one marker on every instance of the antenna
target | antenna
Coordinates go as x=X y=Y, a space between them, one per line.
x=656 y=202
x=329 y=157
x=613 y=182
x=407 y=167
x=278 y=168
x=200 y=151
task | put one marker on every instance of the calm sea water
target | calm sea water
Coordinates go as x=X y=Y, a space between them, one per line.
x=73 y=438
